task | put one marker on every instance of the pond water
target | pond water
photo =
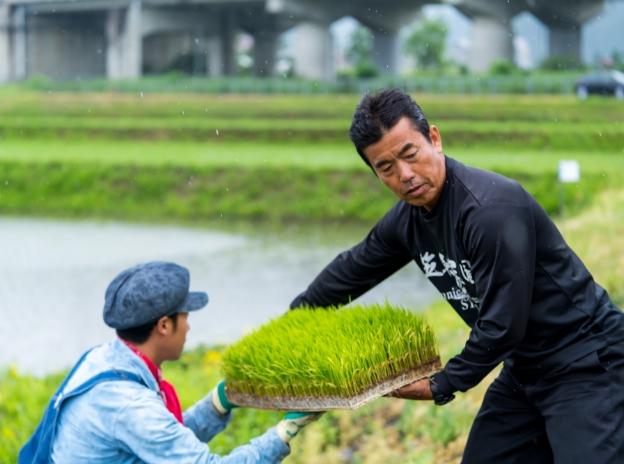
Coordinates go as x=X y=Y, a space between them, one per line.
x=53 y=275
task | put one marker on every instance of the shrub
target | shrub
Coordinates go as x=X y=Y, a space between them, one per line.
x=366 y=69
x=502 y=68
x=562 y=63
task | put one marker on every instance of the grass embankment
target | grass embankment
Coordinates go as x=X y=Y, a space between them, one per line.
x=204 y=193
x=538 y=108
x=467 y=122
x=273 y=157
x=329 y=353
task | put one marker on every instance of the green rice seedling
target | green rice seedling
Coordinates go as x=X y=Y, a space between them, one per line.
x=329 y=352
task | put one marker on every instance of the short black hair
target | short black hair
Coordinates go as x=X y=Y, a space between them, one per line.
x=141 y=334
x=379 y=112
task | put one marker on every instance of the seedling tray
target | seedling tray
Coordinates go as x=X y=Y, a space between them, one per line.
x=328 y=403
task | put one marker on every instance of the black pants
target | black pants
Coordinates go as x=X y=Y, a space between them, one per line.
x=573 y=416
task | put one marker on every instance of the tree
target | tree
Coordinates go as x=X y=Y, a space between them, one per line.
x=427 y=43
x=360 y=52
x=360 y=45
x=618 y=61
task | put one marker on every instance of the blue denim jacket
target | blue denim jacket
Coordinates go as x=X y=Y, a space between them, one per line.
x=125 y=422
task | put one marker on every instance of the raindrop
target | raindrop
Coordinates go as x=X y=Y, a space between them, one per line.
x=141 y=94
x=217 y=131
x=6 y=182
x=182 y=111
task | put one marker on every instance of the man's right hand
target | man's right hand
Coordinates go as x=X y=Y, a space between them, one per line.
x=419 y=390
x=293 y=422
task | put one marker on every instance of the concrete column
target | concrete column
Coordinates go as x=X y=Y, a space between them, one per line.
x=133 y=46
x=214 y=57
x=265 y=49
x=5 y=50
x=199 y=52
x=492 y=40
x=565 y=41
x=19 y=43
x=124 y=43
x=314 y=51
x=113 y=44
x=228 y=33
x=386 y=51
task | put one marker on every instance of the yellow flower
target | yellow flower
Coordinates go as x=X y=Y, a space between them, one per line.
x=212 y=357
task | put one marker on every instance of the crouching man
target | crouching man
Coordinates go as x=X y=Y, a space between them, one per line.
x=114 y=406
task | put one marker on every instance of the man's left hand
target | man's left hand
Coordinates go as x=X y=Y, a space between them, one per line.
x=220 y=399
x=419 y=390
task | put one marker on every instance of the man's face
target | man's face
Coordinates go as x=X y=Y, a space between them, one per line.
x=411 y=166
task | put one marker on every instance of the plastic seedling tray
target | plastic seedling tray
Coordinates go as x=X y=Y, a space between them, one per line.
x=328 y=403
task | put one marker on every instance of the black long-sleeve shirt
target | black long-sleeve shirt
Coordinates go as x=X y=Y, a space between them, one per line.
x=499 y=260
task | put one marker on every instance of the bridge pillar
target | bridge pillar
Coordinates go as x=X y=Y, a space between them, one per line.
x=565 y=41
x=19 y=43
x=386 y=51
x=214 y=58
x=5 y=51
x=492 y=40
x=124 y=53
x=227 y=39
x=265 y=48
x=314 y=51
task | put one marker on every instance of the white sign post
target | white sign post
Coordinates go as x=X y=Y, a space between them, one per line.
x=568 y=171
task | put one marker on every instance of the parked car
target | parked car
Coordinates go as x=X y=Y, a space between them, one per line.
x=607 y=82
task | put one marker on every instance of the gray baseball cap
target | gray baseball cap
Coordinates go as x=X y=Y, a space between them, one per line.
x=147 y=292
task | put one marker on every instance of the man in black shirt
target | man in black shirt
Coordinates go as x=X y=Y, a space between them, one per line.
x=499 y=260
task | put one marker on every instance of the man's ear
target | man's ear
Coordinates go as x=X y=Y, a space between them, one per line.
x=436 y=138
x=162 y=325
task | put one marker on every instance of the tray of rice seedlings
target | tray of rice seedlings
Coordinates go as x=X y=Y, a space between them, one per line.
x=328 y=359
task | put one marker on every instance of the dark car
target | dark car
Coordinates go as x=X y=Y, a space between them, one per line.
x=601 y=83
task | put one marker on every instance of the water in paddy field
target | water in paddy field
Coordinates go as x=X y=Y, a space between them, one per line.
x=53 y=275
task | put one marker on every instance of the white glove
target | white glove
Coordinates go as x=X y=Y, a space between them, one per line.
x=293 y=422
x=220 y=400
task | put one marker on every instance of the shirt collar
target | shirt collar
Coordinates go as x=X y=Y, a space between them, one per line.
x=440 y=205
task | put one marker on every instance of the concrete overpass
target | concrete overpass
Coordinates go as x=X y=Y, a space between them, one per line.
x=64 y=39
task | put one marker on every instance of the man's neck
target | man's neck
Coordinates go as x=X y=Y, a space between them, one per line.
x=150 y=352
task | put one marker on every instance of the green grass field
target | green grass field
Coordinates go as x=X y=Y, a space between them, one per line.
x=532 y=108
x=503 y=122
